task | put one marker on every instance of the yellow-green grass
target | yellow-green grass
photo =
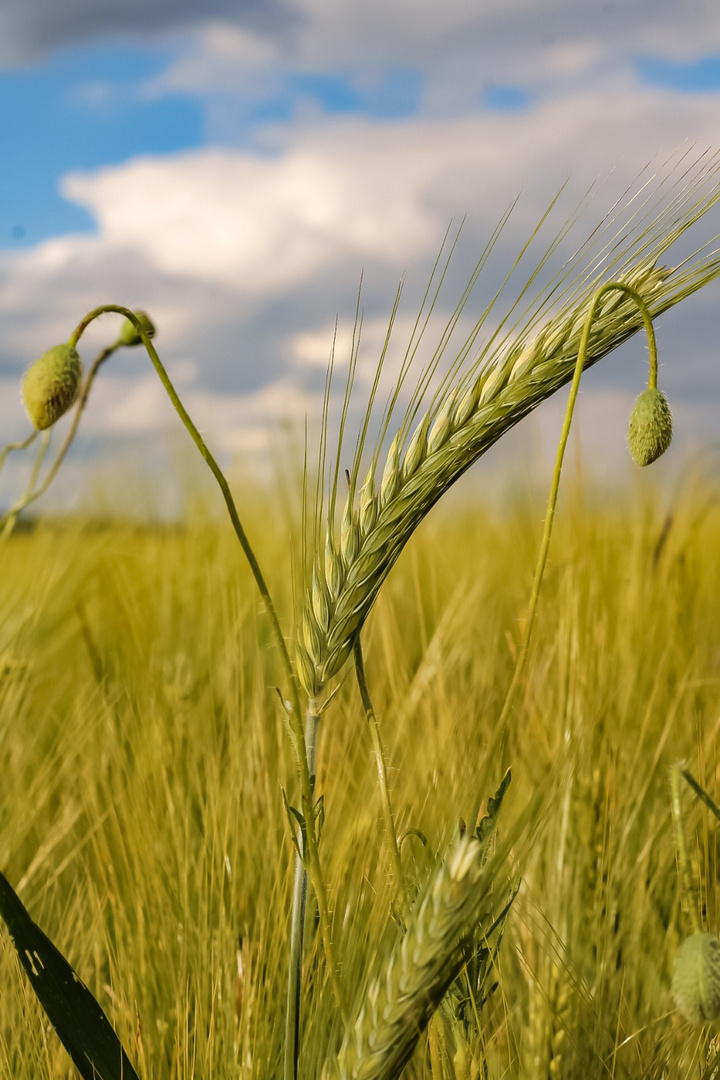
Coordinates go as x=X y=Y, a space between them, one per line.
x=142 y=753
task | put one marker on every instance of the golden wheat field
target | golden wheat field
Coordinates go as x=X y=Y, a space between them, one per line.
x=143 y=750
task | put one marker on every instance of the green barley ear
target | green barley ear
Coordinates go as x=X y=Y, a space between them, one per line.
x=51 y=385
x=129 y=335
x=650 y=428
x=457 y=407
x=400 y=1002
x=696 y=982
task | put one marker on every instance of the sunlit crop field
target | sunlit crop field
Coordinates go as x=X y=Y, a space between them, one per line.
x=143 y=751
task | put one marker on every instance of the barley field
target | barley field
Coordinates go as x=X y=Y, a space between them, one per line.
x=143 y=751
x=352 y=786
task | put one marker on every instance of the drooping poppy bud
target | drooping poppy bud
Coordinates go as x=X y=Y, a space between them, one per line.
x=650 y=428
x=696 y=982
x=129 y=334
x=51 y=385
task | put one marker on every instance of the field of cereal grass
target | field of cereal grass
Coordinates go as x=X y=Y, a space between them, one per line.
x=142 y=753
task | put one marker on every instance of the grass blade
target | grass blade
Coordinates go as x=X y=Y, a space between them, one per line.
x=80 y=1023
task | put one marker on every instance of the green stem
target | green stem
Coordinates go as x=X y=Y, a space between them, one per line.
x=380 y=764
x=12 y=514
x=222 y=483
x=297 y=924
x=295 y=725
x=17 y=446
x=552 y=500
x=687 y=891
x=314 y=869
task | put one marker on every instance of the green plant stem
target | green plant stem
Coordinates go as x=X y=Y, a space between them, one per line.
x=295 y=725
x=552 y=499
x=224 y=488
x=34 y=493
x=23 y=445
x=315 y=872
x=687 y=892
x=380 y=764
x=12 y=514
x=297 y=924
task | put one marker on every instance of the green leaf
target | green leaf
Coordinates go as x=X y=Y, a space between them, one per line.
x=296 y=822
x=702 y=794
x=80 y=1023
x=487 y=824
x=319 y=817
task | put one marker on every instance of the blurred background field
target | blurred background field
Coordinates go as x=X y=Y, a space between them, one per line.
x=142 y=753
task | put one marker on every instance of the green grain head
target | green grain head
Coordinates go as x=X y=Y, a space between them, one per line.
x=51 y=385
x=129 y=334
x=696 y=982
x=650 y=428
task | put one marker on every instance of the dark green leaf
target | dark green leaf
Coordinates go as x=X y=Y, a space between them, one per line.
x=702 y=794
x=81 y=1025
x=487 y=824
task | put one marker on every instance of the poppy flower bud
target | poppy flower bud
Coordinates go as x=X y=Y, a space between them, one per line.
x=51 y=385
x=650 y=428
x=129 y=334
x=696 y=982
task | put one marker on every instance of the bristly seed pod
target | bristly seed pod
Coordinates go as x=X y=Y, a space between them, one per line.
x=129 y=335
x=696 y=982
x=650 y=428
x=51 y=385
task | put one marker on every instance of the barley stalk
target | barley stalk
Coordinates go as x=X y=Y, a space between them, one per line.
x=398 y=1006
x=447 y=440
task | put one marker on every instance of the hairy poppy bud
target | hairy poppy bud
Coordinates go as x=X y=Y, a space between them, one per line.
x=650 y=429
x=129 y=334
x=696 y=982
x=51 y=385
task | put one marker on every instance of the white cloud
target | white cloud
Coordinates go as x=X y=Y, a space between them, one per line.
x=367 y=193
x=256 y=224
x=244 y=424
x=542 y=44
x=243 y=257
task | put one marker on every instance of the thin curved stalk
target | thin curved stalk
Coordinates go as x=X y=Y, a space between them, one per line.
x=11 y=517
x=380 y=764
x=297 y=925
x=557 y=471
x=687 y=891
x=295 y=725
x=23 y=445
x=219 y=477
x=315 y=873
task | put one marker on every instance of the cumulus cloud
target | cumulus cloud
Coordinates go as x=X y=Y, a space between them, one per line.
x=251 y=45
x=548 y=46
x=359 y=193
x=244 y=257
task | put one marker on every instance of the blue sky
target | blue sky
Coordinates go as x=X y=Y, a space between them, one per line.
x=80 y=109
x=236 y=169
x=84 y=107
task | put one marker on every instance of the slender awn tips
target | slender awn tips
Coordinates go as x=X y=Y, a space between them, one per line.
x=522 y=365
